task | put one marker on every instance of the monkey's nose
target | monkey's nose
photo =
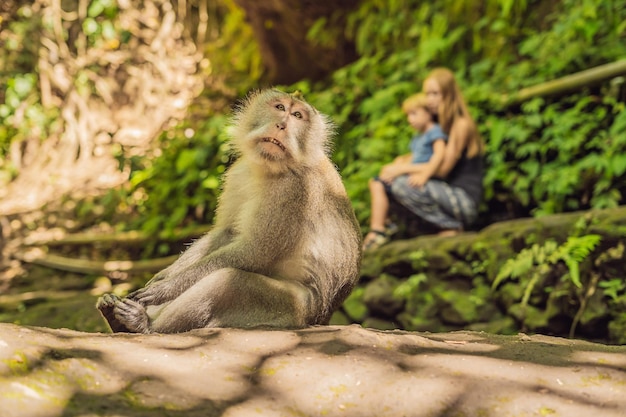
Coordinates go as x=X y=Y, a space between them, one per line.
x=281 y=125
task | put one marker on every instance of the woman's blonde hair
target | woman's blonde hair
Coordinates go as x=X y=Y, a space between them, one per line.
x=416 y=101
x=453 y=105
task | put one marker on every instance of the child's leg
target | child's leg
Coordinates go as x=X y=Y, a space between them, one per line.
x=380 y=205
x=380 y=208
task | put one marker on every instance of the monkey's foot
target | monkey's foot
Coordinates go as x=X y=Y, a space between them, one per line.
x=124 y=315
x=106 y=305
x=132 y=315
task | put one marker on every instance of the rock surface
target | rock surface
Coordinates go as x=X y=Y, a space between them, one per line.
x=442 y=284
x=320 y=371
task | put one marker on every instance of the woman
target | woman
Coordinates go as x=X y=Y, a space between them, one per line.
x=451 y=200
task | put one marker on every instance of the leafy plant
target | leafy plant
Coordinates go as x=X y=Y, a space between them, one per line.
x=537 y=259
x=549 y=155
x=412 y=283
x=22 y=115
x=533 y=265
x=615 y=289
x=181 y=185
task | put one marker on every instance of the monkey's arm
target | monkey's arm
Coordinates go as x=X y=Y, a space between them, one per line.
x=194 y=255
x=179 y=279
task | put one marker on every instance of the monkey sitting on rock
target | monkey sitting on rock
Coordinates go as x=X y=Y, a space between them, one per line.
x=285 y=248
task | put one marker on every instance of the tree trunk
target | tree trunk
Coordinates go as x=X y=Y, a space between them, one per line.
x=281 y=27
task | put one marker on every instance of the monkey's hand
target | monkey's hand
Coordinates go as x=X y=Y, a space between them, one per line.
x=154 y=293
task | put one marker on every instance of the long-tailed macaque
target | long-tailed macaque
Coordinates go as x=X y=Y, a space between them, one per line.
x=285 y=248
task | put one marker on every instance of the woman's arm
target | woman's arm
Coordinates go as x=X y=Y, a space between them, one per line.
x=419 y=177
x=405 y=166
x=457 y=141
x=389 y=171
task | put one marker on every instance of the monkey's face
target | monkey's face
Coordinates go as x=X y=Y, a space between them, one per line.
x=280 y=131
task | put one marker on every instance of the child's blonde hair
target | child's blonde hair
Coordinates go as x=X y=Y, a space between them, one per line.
x=416 y=101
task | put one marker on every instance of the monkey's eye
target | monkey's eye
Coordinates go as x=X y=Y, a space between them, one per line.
x=280 y=107
x=297 y=115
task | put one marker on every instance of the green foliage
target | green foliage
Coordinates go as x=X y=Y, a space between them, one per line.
x=353 y=305
x=232 y=56
x=559 y=157
x=410 y=286
x=181 y=185
x=548 y=156
x=22 y=115
x=532 y=267
x=537 y=260
x=177 y=186
x=615 y=289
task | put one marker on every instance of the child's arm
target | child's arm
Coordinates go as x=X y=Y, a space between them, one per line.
x=395 y=168
x=423 y=172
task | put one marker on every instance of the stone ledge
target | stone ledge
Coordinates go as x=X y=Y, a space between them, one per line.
x=320 y=371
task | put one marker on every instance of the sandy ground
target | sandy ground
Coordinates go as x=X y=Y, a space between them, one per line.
x=321 y=371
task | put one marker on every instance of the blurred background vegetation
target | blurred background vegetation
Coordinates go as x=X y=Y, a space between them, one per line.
x=544 y=155
x=113 y=113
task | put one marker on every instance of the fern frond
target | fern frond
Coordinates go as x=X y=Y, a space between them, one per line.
x=515 y=267
x=574 y=272
x=529 y=288
x=574 y=251
x=580 y=247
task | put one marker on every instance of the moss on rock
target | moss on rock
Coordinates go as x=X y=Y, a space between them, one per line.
x=459 y=271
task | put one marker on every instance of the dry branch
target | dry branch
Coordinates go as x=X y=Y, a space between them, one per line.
x=569 y=83
x=59 y=237
x=84 y=266
x=36 y=295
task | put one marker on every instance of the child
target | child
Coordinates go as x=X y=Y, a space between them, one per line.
x=427 y=149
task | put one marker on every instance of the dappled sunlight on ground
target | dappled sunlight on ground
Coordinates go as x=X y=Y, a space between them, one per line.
x=332 y=370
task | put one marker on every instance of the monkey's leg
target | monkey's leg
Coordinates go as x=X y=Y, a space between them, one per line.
x=132 y=315
x=106 y=305
x=233 y=298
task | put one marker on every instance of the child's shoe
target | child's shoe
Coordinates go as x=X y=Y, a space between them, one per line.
x=374 y=240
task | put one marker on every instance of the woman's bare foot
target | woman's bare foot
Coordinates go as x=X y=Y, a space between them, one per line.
x=450 y=232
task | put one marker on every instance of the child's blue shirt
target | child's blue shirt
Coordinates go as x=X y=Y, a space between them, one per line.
x=421 y=145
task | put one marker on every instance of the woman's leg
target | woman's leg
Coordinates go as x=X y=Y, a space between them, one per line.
x=448 y=208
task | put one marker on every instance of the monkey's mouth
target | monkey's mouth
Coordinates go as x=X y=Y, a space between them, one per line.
x=275 y=142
